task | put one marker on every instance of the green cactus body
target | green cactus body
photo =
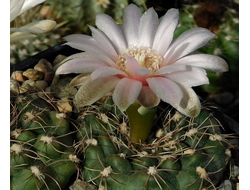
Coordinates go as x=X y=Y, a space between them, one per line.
x=181 y=153
x=41 y=152
x=187 y=153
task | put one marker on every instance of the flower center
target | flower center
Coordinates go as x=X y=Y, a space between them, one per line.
x=146 y=57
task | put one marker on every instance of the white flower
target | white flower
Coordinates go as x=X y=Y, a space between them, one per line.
x=141 y=61
x=17 y=7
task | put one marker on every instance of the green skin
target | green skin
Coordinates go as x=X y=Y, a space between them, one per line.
x=175 y=173
x=52 y=158
x=105 y=165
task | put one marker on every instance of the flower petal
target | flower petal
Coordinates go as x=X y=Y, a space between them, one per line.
x=83 y=42
x=28 y=4
x=165 y=32
x=91 y=91
x=190 y=104
x=36 y=27
x=142 y=71
x=208 y=62
x=192 y=76
x=126 y=93
x=166 y=89
x=182 y=98
x=15 y=8
x=79 y=79
x=131 y=63
x=114 y=32
x=106 y=71
x=147 y=28
x=104 y=43
x=187 y=42
x=148 y=98
x=131 y=21
x=84 y=64
x=170 y=69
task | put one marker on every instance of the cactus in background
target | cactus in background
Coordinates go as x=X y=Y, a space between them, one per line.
x=72 y=16
x=41 y=153
x=226 y=42
x=81 y=13
x=184 y=153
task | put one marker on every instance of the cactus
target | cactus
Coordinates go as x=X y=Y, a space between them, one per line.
x=184 y=153
x=41 y=152
x=181 y=153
